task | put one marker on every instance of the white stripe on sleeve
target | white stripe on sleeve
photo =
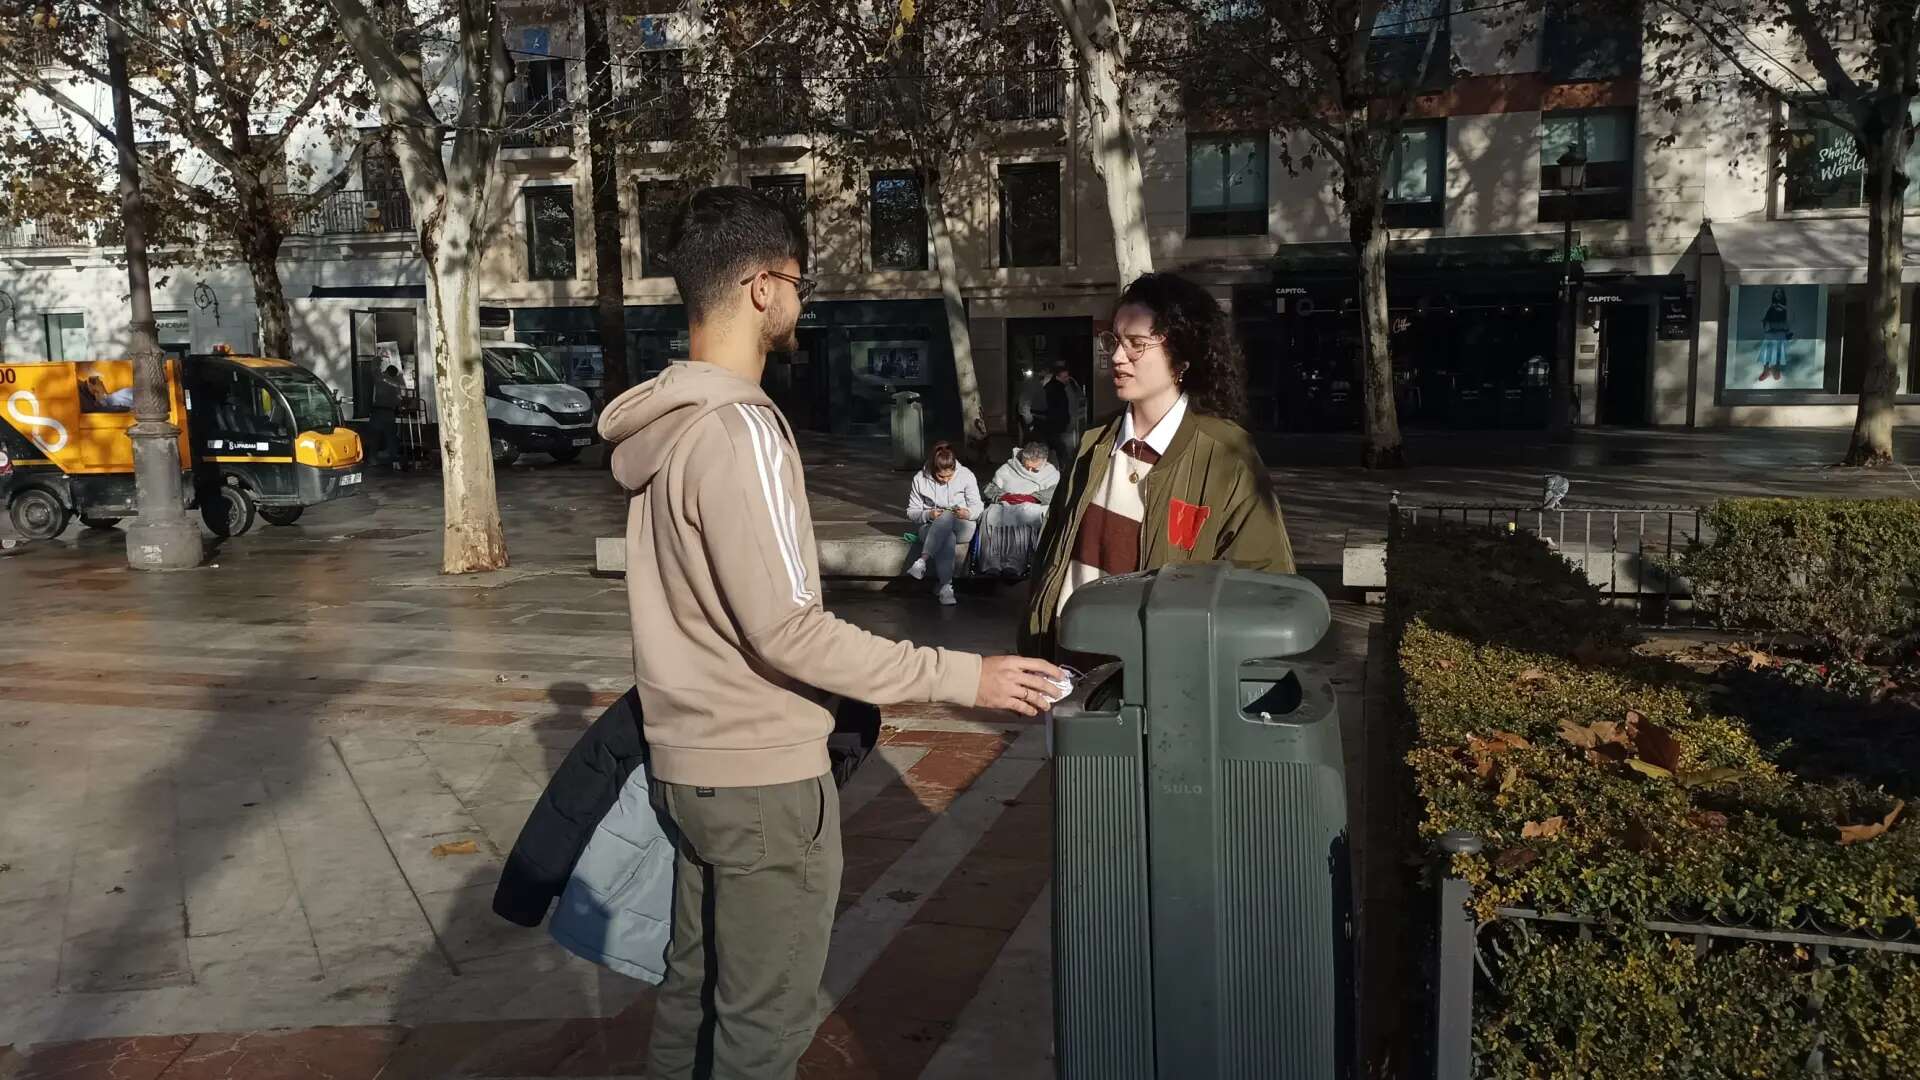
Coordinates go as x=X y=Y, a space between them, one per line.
x=766 y=460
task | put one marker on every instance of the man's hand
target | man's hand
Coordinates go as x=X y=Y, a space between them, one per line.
x=962 y=513
x=1017 y=684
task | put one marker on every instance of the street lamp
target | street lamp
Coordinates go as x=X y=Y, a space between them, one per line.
x=1573 y=178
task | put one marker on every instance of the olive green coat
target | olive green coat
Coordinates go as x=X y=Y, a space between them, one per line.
x=1211 y=463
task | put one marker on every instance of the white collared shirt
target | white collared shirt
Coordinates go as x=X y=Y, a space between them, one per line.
x=1163 y=432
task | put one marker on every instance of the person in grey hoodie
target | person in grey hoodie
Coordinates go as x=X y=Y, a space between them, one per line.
x=944 y=504
x=734 y=654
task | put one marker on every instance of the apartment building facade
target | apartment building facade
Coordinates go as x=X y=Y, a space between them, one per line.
x=1690 y=251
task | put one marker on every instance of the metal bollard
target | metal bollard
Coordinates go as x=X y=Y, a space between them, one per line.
x=1453 y=1004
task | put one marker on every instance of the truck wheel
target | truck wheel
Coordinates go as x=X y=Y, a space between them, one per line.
x=504 y=452
x=39 y=514
x=282 y=515
x=101 y=523
x=228 y=511
x=567 y=456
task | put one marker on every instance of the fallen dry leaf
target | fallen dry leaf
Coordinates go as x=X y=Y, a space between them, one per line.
x=1444 y=664
x=1657 y=746
x=1543 y=830
x=455 y=847
x=1708 y=819
x=1532 y=675
x=1518 y=858
x=1496 y=743
x=1589 y=736
x=1855 y=834
x=1757 y=660
x=1509 y=778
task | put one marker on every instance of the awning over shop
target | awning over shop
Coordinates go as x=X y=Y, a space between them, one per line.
x=1829 y=251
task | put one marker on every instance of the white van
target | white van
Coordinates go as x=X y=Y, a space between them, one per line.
x=530 y=407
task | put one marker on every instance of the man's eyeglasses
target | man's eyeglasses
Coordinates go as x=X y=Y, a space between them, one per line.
x=1136 y=345
x=803 y=286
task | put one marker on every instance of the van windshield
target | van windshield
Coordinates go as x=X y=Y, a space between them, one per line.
x=524 y=366
x=312 y=402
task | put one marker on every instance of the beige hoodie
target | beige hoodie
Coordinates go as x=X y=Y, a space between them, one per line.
x=733 y=652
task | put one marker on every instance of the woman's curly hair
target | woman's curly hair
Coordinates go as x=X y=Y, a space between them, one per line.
x=1199 y=337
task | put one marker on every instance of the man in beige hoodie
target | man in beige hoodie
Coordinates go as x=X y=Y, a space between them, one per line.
x=734 y=656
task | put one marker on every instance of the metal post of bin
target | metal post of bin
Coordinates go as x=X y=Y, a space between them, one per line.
x=1202 y=884
x=909 y=431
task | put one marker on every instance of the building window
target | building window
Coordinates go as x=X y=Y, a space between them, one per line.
x=1417 y=177
x=1604 y=138
x=1226 y=185
x=1030 y=214
x=1581 y=42
x=659 y=199
x=790 y=191
x=1801 y=338
x=542 y=83
x=1398 y=52
x=658 y=97
x=549 y=232
x=899 y=217
x=1822 y=167
x=66 y=334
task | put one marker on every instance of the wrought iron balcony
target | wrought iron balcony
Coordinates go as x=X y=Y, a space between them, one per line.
x=353 y=212
x=41 y=234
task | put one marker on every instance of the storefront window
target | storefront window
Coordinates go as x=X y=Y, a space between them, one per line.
x=1417 y=177
x=1801 y=338
x=1604 y=139
x=1822 y=167
x=1226 y=185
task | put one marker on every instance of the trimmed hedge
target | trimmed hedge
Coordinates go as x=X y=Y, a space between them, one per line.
x=1842 y=572
x=1604 y=788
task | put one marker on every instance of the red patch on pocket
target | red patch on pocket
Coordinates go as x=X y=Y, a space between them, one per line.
x=1183 y=524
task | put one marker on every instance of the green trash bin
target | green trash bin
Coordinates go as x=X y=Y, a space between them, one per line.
x=1202 y=904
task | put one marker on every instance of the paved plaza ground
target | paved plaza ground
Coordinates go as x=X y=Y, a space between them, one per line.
x=228 y=797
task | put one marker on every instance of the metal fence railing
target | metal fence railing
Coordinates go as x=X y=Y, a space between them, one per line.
x=1463 y=964
x=1629 y=553
x=353 y=211
x=39 y=234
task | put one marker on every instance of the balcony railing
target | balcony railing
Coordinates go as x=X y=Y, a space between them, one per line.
x=1029 y=95
x=348 y=213
x=768 y=106
x=547 y=122
x=40 y=234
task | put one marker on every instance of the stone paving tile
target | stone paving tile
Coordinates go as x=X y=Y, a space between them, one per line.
x=988 y=892
x=143 y=1058
x=342 y=1053
x=523 y=1048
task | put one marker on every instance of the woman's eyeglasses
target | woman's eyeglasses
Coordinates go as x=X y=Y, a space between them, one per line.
x=1136 y=345
x=803 y=286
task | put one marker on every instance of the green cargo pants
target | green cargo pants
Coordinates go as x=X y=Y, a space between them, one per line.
x=756 y=875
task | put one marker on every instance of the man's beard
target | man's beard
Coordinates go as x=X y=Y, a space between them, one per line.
x=781 y=339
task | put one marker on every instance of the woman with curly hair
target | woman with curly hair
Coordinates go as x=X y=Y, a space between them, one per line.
x=1173 y=478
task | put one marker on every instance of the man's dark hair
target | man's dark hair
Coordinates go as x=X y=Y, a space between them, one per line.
x=721 y=235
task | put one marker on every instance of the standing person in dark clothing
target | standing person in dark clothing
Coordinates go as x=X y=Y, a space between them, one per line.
x=1061 y=422
x=388 y=391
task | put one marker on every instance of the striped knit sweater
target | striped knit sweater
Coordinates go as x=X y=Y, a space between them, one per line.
x=1109 y=539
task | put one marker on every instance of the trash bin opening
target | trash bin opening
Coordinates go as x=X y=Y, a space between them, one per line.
x=1270 y=699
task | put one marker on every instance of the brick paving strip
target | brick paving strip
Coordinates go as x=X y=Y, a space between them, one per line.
x=912 y=963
